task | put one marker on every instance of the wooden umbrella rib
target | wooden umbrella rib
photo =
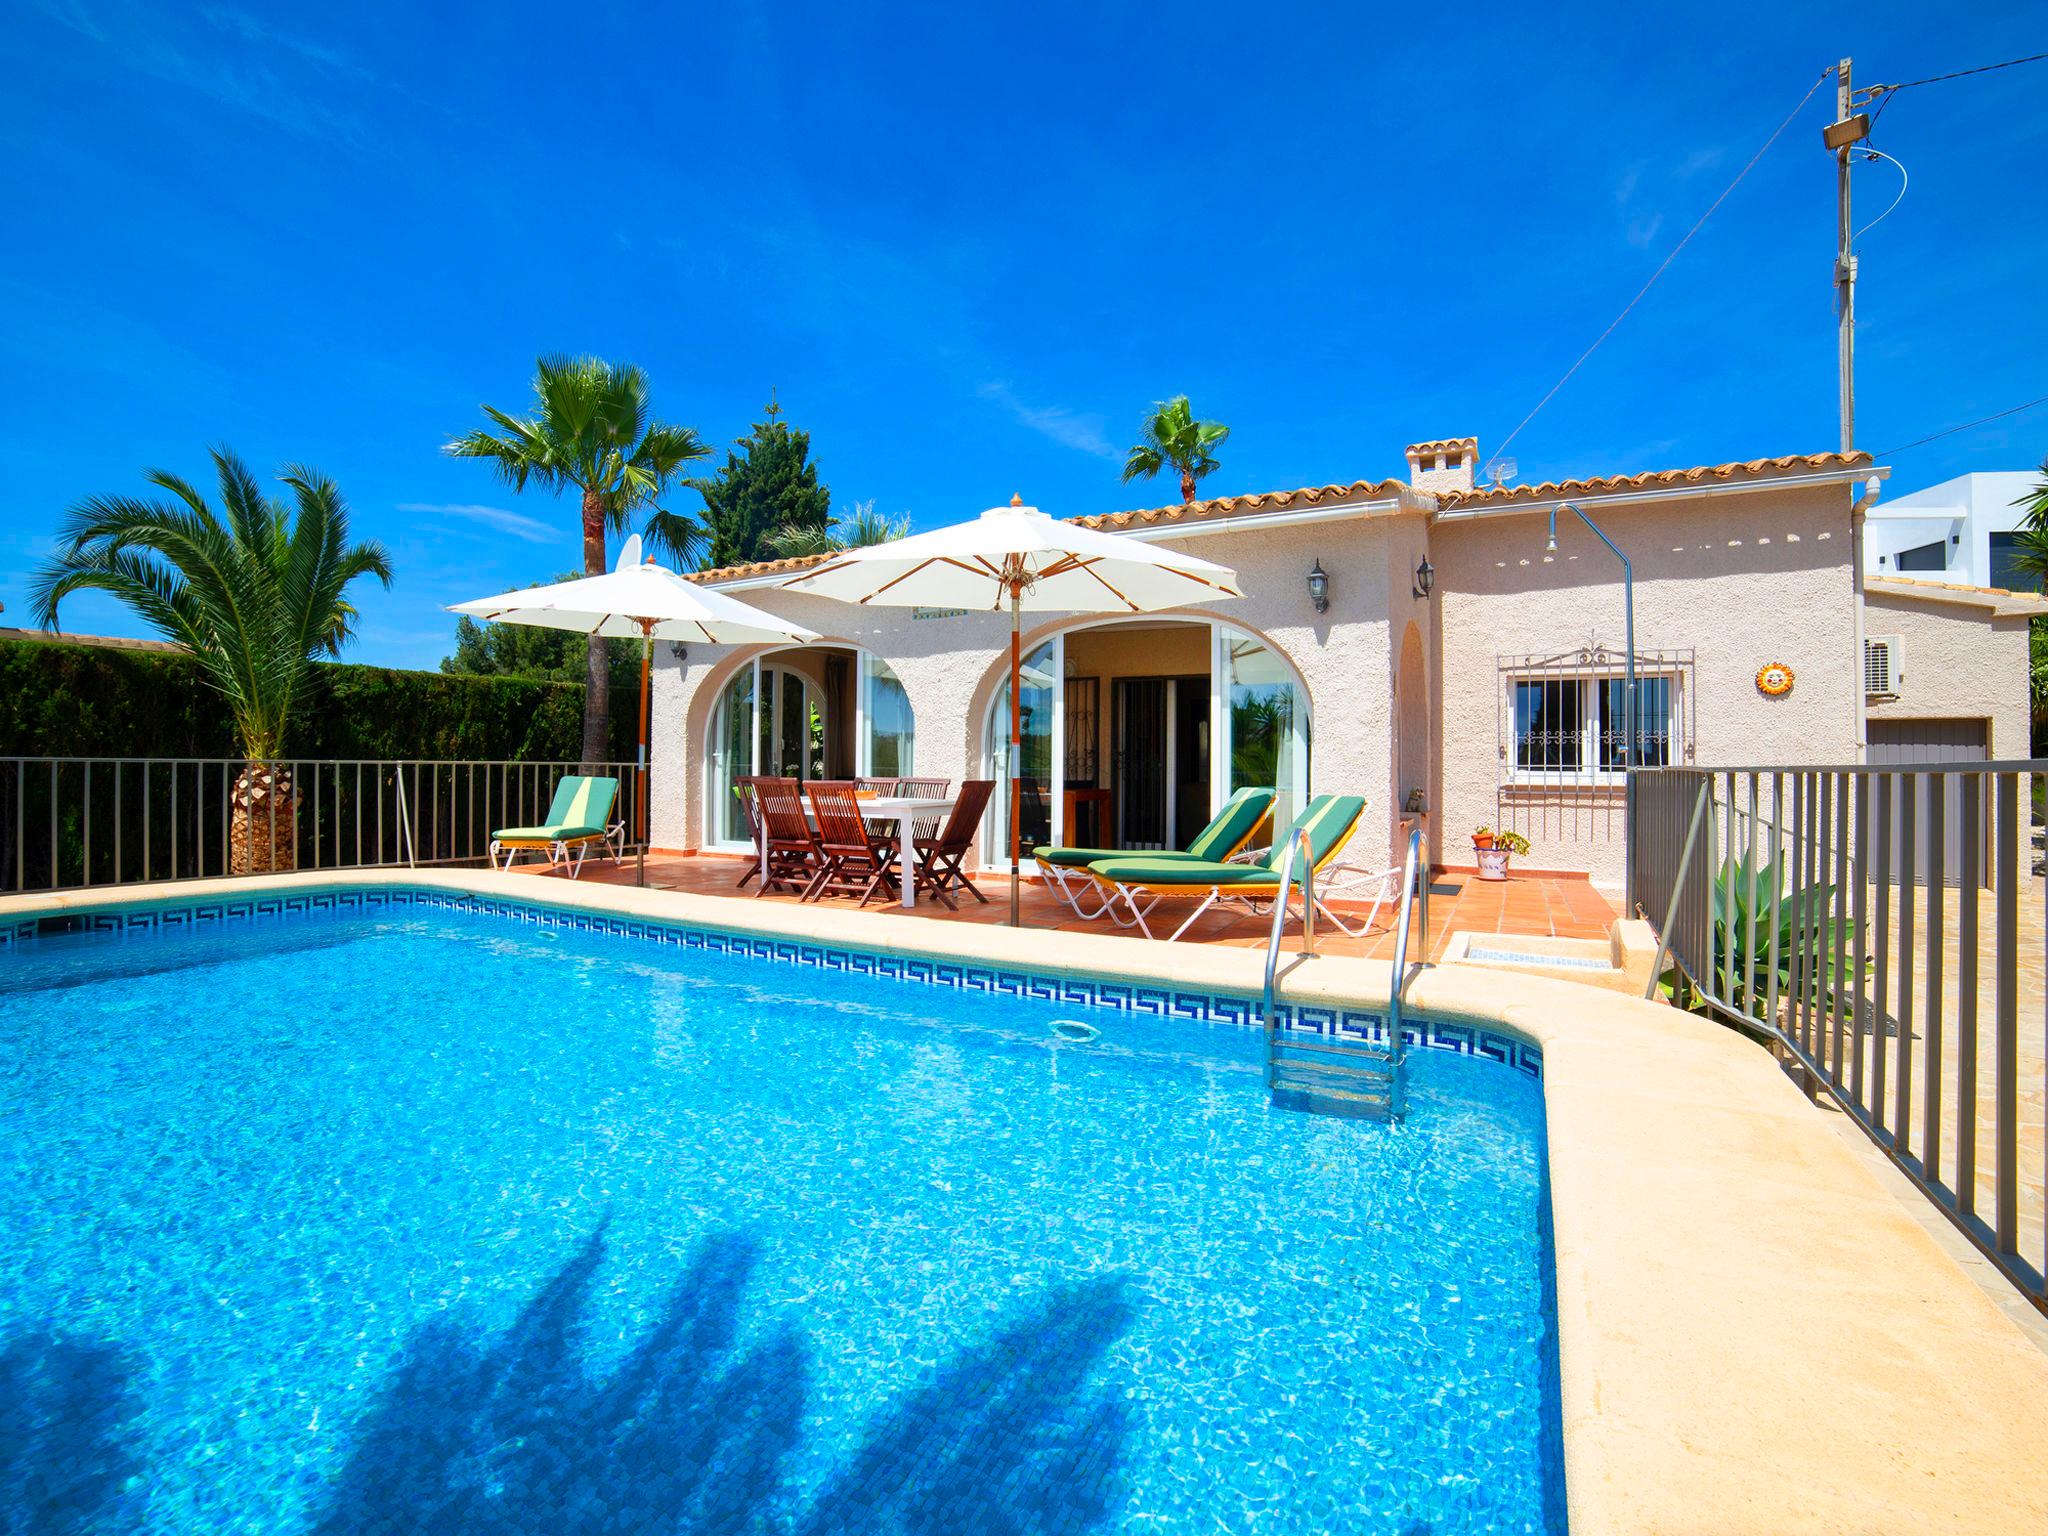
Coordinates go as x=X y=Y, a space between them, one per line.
x=1087 y=568
x=893 y=580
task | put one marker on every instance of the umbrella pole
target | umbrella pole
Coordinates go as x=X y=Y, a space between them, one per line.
x=1016 y=740
x=640 y=778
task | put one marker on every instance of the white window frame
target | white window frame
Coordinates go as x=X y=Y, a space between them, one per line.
x=1592 y=681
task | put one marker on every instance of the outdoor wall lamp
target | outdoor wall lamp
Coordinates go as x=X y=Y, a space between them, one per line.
x=1425 y=578
x=1319 y=587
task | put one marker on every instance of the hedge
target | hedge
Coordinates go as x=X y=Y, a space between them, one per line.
x=59 y=700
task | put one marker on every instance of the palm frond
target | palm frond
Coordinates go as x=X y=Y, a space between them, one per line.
x=255 y=596
x=675 y=537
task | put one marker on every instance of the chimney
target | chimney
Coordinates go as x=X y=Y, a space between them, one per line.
x=1443 y=466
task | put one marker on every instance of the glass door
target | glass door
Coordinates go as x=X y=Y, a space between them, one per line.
x=1042 y=774
x=1261 y=737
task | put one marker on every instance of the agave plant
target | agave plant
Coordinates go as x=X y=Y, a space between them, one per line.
x=257 y=593
x=1793 y=942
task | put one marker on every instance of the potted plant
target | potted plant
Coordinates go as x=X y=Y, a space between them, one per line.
x=1494 y=849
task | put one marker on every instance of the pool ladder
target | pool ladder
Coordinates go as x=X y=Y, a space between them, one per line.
x=1335 y=1074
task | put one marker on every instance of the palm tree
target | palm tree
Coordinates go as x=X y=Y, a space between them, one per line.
x=1172 y=438
x=2030 y=553
x=257 y=595
x=849 y=530
x=591 y=431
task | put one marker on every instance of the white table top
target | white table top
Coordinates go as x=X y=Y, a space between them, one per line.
x=895 y=807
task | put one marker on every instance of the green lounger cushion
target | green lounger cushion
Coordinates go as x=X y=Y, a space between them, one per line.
x=1328 y=820
x=1147 y=869
x=1240 y=816
x=581 y=807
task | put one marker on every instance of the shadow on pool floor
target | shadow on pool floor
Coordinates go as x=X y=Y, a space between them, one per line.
x=516 y=1436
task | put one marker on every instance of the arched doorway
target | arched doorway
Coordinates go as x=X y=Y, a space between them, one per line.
x=1136 y=732
x=805 y=712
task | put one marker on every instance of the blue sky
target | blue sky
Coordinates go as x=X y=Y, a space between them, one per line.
x=967 y=245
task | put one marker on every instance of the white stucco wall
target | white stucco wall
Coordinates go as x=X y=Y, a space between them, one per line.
x=1955 y=662
x=1739 y=580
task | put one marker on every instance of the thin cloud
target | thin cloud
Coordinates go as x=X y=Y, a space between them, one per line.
x=1630 y=179
x=499 y=519
x=1642 y=231
x=252 y=87
x=250 y=30
x=1070 y=429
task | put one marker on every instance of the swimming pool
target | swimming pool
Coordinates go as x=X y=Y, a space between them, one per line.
x=424 y=1218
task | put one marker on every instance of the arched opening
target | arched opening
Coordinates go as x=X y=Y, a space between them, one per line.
x=1136 y=731
x=806 y=712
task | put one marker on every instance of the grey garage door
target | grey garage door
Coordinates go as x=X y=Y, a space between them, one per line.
x=1902 y=743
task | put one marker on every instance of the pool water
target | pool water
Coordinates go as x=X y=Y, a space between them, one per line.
x=432 y=1220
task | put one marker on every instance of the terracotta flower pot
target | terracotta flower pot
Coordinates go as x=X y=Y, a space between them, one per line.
x=1482 y=839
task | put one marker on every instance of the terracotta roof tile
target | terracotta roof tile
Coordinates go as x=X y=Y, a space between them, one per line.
x=1752 y=469
x=1234 y=506
x=1217 y=508
x=1266 y=503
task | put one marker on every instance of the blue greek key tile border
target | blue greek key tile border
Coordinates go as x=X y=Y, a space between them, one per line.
x=1361 y=1025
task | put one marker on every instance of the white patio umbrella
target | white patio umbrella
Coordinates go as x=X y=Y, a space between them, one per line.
x=644 y=600
x=1019 y=556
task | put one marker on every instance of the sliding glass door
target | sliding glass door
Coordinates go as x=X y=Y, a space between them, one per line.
x=1255 y=729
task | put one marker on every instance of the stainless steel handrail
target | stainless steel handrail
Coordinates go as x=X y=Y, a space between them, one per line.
x=1396 y=1047
x=1296 y=843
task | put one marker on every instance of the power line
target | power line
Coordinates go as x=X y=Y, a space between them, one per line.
x=1666 y=262
x=1981 y=69
x=1951 y=431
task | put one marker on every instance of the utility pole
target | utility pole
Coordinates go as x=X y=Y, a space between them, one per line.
x=1848 y=130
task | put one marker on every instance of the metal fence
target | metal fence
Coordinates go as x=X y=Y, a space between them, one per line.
x=1884 y=928
x=71 y=822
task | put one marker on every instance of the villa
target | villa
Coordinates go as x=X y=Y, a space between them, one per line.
x=1411 y=639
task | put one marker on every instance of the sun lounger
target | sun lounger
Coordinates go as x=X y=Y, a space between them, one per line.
x=1132 y=885
x=578 y=818
x=1244 y=817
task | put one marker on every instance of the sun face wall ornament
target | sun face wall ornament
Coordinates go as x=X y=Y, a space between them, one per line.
x=1774 y=680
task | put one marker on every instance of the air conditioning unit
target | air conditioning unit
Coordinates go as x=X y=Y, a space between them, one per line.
x=1881 y=666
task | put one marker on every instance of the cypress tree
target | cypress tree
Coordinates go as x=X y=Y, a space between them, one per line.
x=766 y=484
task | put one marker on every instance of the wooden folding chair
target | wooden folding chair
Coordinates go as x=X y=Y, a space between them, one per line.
x=793 y=856
x=743 y=791
x=939 y=858
x=854 y=862
x=917 y=789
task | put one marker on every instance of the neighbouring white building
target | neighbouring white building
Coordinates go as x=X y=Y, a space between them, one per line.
x=1961 y=531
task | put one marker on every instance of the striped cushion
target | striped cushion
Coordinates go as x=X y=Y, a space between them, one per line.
x=581 y=807
x=1234 y=824
x=1149 y=870
x=1328 y=820
x=1228 y=832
